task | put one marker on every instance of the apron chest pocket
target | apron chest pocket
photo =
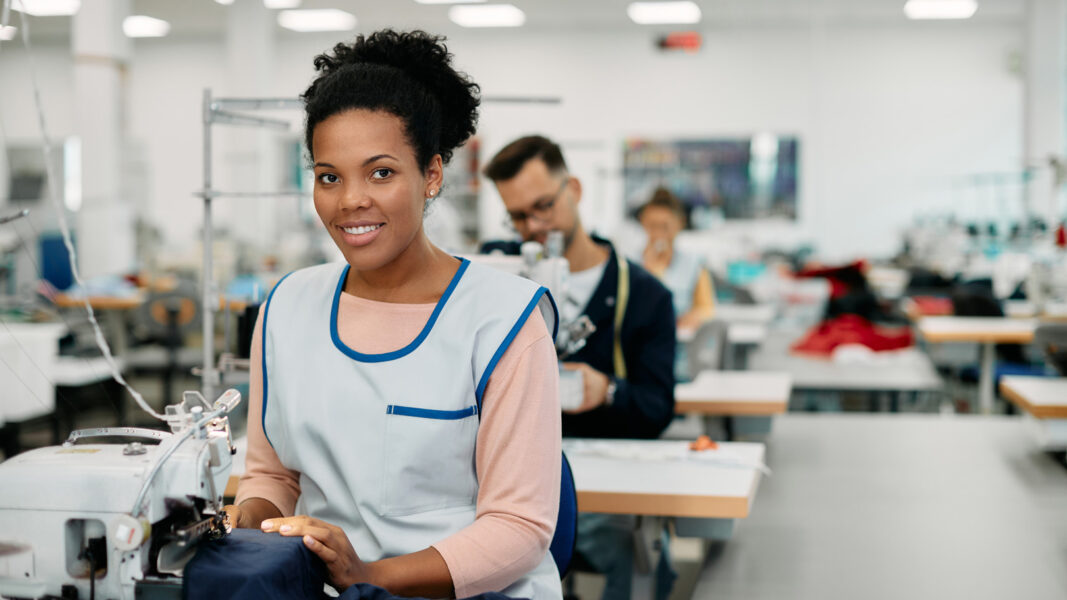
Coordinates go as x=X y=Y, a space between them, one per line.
x=428 y=461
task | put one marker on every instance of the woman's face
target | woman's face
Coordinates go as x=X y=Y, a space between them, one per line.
x=369 y=190
x=661 y=224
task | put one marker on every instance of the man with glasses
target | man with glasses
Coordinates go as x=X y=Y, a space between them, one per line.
x=627 y=363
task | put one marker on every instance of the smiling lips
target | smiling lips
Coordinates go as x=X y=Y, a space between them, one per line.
x=361 y=229
x=361 y=235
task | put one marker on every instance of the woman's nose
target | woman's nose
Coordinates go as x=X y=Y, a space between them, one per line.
x=355 y=196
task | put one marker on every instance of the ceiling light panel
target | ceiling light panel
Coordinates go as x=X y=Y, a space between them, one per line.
x=8 y=33
x=47 y=8
x=449 y=1
x=326 y=19
x=664 y=13
x=281 y=4
x=140 y=26
x=487 y=15
x=940 y=9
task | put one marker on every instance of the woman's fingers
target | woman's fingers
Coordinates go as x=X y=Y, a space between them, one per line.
x=275 y=525
x=233 y=515
x=327 y=554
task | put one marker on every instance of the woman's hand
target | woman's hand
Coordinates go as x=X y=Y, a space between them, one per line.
x=594 y=384
x=234 y=516
x=330 y=543
x=250 y=513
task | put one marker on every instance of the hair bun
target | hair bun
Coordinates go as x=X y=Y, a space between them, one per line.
x=425 y=59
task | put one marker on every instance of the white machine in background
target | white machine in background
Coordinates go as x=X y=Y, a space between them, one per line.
x=132 y=513
x=546 y=266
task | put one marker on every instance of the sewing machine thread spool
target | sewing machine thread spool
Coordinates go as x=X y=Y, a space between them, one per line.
x=128 y=533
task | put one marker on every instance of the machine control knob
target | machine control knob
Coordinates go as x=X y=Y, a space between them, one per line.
x=134 y=449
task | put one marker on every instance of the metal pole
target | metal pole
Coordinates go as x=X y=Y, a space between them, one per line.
x=208 y=374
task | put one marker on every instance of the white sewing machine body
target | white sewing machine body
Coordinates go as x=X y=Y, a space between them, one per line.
x=552 y=271
x=131 y=512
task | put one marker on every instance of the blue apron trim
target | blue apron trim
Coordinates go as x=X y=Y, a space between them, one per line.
x=263 y=355
x=387 y=356
x=427 y=413
x=507 y=342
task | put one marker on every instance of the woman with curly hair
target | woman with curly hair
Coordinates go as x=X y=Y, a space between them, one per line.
x=404 y=417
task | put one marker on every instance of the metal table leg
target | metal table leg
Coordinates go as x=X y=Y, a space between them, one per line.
x=985 y=378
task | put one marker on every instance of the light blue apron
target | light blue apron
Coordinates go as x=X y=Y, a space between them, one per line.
x=384 y=443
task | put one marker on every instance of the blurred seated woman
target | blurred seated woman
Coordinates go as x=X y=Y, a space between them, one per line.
x=662 y=217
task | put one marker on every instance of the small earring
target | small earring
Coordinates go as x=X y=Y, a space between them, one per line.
x=433 y=192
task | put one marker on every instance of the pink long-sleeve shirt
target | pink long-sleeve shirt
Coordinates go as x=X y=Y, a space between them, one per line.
x=517 y=454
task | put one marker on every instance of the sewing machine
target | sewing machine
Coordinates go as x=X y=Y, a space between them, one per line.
x=546 y=266
x=131 y=513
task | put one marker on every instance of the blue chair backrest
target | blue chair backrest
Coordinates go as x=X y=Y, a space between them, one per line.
x=562 y=546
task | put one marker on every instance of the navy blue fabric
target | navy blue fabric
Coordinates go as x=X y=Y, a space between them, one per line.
x=643 y=405
x=562 y=546
x=366 y=591
x=248 y=564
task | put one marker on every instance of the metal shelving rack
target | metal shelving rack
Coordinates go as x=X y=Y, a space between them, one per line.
x=222 y=111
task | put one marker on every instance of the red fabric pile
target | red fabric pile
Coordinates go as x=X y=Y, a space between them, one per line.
x=932 y=305
x=852 y=329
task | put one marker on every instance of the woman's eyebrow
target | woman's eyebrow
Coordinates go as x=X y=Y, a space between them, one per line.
x=377 y=157
x=323 y=164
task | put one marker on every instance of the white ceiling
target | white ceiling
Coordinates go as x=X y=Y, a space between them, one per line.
x=206 y=18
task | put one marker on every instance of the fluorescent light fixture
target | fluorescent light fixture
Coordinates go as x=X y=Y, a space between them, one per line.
x=663 y=13
x=47 y=8
x=326 y=19
x=8 y=32
x=224 y=2
x=276 y=4
x=72 y=173
x=940 y=9
x=449 y=1
x=487 y=15
x=140 y=26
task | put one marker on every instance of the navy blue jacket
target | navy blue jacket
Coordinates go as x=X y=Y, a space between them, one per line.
x=644 y=402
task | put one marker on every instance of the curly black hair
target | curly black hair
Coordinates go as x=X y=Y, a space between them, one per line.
x=408 y=74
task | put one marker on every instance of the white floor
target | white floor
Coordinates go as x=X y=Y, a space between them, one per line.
x=899 y=506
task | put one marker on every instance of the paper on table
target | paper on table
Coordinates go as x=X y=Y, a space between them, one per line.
x=722 y=456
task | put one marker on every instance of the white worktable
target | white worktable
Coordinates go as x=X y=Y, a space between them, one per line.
x=647 y=477
x=734 y=393
x=987 y=331
x=1042 y=397
x=736 y=333
x=745 y=313
x=28 y=353
x=664 y=478
x=994 y=330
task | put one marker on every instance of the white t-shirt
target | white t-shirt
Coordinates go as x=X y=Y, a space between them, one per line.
x=580 y=288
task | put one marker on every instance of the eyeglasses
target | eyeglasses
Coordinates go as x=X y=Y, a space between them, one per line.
x=541 y=210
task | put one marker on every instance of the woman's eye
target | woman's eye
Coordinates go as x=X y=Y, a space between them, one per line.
x=327 y=178
x=381 y=173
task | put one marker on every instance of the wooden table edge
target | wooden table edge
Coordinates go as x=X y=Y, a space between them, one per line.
x=1038 y=412
x=978 y=338
x=757 y=408
x=660 y=505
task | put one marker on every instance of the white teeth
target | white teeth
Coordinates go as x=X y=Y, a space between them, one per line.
x=361 y=229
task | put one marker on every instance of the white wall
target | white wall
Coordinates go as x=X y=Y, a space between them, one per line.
x=889 y=117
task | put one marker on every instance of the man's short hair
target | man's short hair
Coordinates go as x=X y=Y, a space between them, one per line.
x=511 y=158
